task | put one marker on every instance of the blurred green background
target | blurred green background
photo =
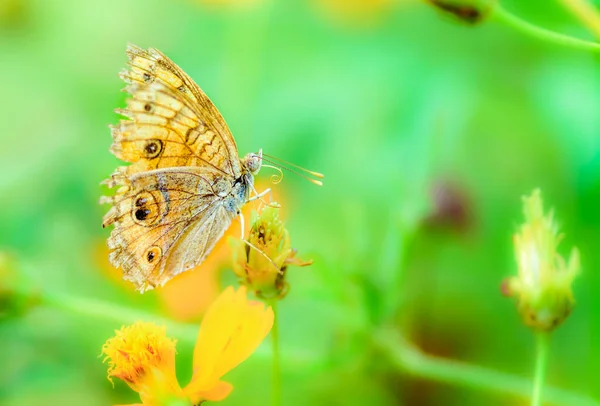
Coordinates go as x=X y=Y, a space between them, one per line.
x=428 y=131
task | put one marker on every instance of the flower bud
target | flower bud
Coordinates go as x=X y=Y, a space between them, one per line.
x=542 y=287
x=262 y=265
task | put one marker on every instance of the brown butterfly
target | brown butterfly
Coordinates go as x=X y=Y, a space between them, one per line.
x=186 y=182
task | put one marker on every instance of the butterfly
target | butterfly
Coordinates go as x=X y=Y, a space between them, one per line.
x=186 y=182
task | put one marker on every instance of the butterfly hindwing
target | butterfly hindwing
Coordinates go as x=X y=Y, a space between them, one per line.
x=166 y=221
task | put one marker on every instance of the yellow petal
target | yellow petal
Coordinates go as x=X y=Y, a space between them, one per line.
x=219 y=392
x=232 y=329
x=217 y=326
x=253 y=327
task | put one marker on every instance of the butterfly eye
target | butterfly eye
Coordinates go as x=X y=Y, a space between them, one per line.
x=153 y=148
x=153 y=254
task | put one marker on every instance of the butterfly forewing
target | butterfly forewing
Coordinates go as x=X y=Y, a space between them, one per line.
x=172 y=122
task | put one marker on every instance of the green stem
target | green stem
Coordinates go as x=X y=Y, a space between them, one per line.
x=122 y=315
x=586 y=12
x=500 y=14
x=117 y=314
x=276 y=388
x=405 y=356
x=409 y=359
x=541 y=361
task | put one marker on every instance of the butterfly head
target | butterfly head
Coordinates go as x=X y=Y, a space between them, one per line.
x=253 y=162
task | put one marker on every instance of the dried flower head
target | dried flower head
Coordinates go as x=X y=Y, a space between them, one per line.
x=542 y=287
x=466 y=11
x=262 y=265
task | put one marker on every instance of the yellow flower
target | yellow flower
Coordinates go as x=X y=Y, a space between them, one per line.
x=144 y=357
x=263 y=267
x=543 y=285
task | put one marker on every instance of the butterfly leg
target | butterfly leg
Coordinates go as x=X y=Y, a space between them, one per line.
x=259 y=195
x=242 y=224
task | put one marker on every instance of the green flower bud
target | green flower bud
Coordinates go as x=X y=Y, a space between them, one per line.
x=262 y=266
x=542 y=287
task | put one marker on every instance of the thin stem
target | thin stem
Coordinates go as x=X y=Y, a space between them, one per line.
x=117 y=314
x=402 y=354
x=120 y=315
x=586 y=13
x=500 y=14
x=276 y=388
x=541 y=361
x=409 y=359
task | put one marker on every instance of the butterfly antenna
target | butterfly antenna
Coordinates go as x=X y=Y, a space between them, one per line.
x=313 y=173
x=264 y=255
x=302 y=175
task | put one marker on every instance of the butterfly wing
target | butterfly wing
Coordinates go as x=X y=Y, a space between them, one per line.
x=166 y=221
x=172 y=122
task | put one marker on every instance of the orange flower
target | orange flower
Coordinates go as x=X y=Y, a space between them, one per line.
x=188 y=296
x=144 y=357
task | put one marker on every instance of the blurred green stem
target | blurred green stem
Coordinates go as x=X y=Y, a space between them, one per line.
x=404 y=355
x=117 y=314
x=120 y=315
x=586 y=13
x=541 y=361
x=409 y=359
x=276 y=389
x=505 y=17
